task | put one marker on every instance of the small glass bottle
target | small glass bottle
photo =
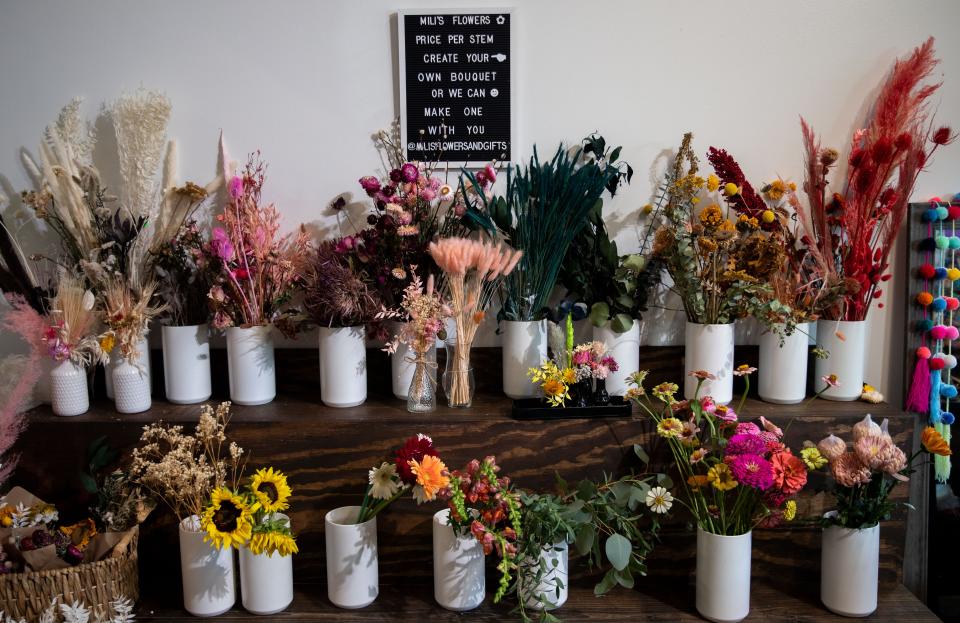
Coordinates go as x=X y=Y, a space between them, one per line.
x=422 y=396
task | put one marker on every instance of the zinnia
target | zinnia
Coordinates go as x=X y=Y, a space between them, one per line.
x=745 y=444
x=670 y=427
x=752 y=470
x=789 y=472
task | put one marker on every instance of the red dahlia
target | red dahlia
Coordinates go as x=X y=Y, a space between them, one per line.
x=414 y=449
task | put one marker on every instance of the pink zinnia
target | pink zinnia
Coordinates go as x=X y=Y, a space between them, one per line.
x=745 y=444
x=725 y=414
x=751 y=470
x=747 y=428
x=707 y=404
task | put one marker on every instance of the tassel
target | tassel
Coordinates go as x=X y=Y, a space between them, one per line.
x=941 y=464
x=918 y=399
x=934 y=397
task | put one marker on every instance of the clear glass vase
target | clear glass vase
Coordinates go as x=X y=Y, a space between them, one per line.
x=422 y=395
x=458 y=382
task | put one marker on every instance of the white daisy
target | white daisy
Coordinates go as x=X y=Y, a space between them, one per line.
x=383 y=481
x=659 y=500
x=420 y=496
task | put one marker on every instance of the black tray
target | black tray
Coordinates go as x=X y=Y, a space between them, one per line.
x=537 y=409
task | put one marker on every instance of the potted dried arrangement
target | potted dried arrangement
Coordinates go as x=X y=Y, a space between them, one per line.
x=710 y=255
x=472 y=272
x=854 y=228
x=256 y=273
x=196 y=475
x=862 y=478
x=545 y=206
x=351 y=531
x=734 y=476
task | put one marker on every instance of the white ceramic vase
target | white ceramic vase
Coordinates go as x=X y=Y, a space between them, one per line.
x=186 y=363
x=782 y=371
x=402 y=369
x=131 y=388
x=625 y=348
x=709 y=347
x=209 y=588
x=552 y=590
x=849 y=568
x=353 y=579
x=143 y=361
x=343 y=366
x=723 y=576
x=458 y=566
x=266 y=580
x=524 y=347
x=68 y=389
x=846 y=358
x=251 y=367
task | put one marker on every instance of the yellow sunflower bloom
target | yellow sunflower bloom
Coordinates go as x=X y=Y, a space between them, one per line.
x=227 y=521
x=273 y=542
x=271 y=490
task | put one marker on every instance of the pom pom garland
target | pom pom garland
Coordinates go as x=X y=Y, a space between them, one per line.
x=924 y=353
x=930 y=215
x=948 y=391
x=946 y=418
x=953 y=212
x=941 y=241
x=924 y=298
x=952 y=303
x=955 y=242
x=949 y=362
x=939 y=332
x=942 y=212
x=953 y=273
x=927 y=244
x=923 y=326
x=926 y=271
x=951 y=333
x=940 y=273
x=936 y=363
x=939 y=304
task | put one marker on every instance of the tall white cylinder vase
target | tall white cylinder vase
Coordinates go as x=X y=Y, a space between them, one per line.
x=209 y=588
x=723 y=576
x=266 y=580
x=625 y=348
x=343 y=366
x=849 y=568
x=142 y=360
x=250 y=364
x=458 y=566
x=353 y=579
x=554 y=570
x=782 y=371
x=131 y=388
x=845 y=343
x=402 y=369
x=186 y=363
x=68 y=389
x=524 y=347
x=709 y=347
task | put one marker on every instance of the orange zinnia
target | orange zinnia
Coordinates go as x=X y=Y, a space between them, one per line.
x=431 y=475
x=934 y=442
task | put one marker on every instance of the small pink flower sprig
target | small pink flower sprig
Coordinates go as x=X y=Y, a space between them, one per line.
x=422 y=312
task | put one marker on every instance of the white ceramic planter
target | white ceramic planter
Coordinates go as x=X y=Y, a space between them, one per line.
x=552 y=591
x=266 y=581
x=186 y=363
x=709 y=347
x=343 y=366
x=458 y=566
x=524 y=347
x=846 y=358
x=143 y=360
x=68 y=389
x=849 y=567
x=625 y=348
x=131 y=388
x=723 y=576
x=782 y=371
x=209 y=588
x=401 y=369
x=253 y=374
x=353 y=579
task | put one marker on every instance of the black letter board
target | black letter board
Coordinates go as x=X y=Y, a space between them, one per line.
x=455 y=92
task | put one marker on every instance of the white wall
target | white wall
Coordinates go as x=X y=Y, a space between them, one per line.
x=308 y=82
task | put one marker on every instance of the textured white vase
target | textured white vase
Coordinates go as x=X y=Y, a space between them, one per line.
x=209 y=588
x=143 y=360
x=625 y=348
x=402 y=368
x=849 y=569
x=353 y=579
x=846 y=358
x=723 y=576
x=782 y=371
x=68 y=389
x=131 y=388
x=343 y=366
x=458 y=566
x=266 y=581
x=709 y=347
x=524 y=347
x=186 y=363
x=552 y=590
x=253 y=374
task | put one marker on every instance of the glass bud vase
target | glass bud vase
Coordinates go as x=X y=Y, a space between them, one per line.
x=458 y=381
x=582 y=393
x=600 y=396
x=422 y=395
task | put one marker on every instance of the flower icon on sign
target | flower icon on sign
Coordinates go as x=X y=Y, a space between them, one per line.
x=501 y=19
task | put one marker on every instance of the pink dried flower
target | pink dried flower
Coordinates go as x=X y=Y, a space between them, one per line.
x=848 y=471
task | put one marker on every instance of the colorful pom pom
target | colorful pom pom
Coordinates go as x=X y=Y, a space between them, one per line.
x=947 y=418
x=939 y=332
x=940 y=273
x=939 y=304
x=955 y=242
x=927 y=244
x=954 y=212
x=927 y=271
x=936 y=363
x=942 y=242
x=952 y=333
x=924 y=298
x=923 y=352
x=952 y=303
x=948 y=391
x=953 y=273
x=923 y=326
x=949 y=362
x=942 y=212
x=930 y=215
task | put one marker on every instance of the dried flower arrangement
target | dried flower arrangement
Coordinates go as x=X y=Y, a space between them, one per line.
x=71 y=334
x=184 y=277
x=416 y=467
x=128 y=315
x=339 y=291
x=855 y=229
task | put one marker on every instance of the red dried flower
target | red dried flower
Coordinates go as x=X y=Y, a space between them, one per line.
x=943 y=136
x=857 y=157
x=882 y=150
x=903 y=142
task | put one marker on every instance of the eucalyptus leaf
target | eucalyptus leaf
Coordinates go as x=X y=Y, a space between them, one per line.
x=618 y=549
x=641 y=453
x=608 y=582
x=585 y=539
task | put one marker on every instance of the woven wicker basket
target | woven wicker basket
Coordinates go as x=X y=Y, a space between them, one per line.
x=95 y=584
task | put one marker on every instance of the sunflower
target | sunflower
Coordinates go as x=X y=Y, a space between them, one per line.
x=227 y=520
x=271 y=491
x=273 y=541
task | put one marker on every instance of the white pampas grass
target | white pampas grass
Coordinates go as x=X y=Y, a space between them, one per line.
x=140 y=123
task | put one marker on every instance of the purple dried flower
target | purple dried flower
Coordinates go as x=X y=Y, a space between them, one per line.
x=409 y=172
x=370 y=184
